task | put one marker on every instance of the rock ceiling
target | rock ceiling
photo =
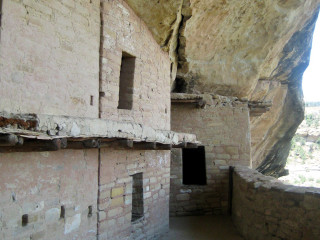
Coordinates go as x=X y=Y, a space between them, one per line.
x=252 y=49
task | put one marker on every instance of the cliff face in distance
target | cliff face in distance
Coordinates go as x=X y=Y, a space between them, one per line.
x=255 y=50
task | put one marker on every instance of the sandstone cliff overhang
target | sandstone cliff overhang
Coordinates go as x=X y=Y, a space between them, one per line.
x=255 y=50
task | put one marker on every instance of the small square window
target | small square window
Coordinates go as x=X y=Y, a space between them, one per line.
x=194 y=166
x=128 y=63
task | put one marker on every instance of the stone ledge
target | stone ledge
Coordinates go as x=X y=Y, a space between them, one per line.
x=258 y=180
x=49 y=127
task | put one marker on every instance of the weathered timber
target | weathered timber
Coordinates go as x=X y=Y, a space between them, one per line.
x=192 y=145
x=144 y=145
x=88 y=143
x=8 y=140
x=121 y=143
x=200 y=103
x=181 y=145
x=37 y=146
x=164 y=146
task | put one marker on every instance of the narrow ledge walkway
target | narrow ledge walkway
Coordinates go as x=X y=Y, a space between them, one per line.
x=202 y=228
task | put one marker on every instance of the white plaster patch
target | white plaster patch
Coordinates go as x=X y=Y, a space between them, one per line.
x=52 y=215
x=72 y=223
x=75 y=130
x=185 y=191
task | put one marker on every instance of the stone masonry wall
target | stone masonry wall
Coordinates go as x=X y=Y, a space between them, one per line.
x=50 y=65
x=115 y=194
x=40 y=184
x=124 y=31
x=223 y=128
x=49 y=57
x=266 y=209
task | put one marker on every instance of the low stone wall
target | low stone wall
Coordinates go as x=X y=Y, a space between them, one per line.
x=265 y=208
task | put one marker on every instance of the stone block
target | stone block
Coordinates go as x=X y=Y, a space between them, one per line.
x=104 y=194
x=232 y=150
x=114 y=212
x=72 y=223
x=223 y=156
x=102 y=215
x=52 y=215
x=38 y=235
x=117 y=201
x=183 y=197
x=115 y=192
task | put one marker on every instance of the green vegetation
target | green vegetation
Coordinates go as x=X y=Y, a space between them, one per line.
x=312 y=120
x=302 y=178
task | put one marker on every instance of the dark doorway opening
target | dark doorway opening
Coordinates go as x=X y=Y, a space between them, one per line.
x=180 y=86
x=194 y=166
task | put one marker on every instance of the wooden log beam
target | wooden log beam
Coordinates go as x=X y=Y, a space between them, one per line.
x=164 y=146
x=144 y=145
x=180 y=145
x=37 y=146
x=121 y=143
x=84 y=144
x=192 y=145
x=8 y=140
x=200 y=103
x=91 y=143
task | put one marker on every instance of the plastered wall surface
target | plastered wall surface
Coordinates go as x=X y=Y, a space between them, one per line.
x=50 y=65
x=123 y=31
x=223 y=128
x=115 y=194
x=265 y=208
x=50 y=57
x=39 y=184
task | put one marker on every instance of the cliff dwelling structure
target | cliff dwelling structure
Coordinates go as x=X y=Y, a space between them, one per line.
x=117 y=114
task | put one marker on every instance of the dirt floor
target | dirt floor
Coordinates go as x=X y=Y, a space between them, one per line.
x=202 y=228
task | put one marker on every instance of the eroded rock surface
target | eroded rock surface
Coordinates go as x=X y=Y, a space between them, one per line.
x=256 y=50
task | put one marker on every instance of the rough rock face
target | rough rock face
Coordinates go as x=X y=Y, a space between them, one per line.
x=256 y=50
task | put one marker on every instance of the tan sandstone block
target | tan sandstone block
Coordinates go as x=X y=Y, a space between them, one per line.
x=117 y=192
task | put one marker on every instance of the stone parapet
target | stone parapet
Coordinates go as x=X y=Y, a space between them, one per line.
x=265 y=208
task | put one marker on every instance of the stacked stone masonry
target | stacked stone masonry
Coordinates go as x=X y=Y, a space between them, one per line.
x=123 y=31
x=264 y=208
x=226 y=144
x=115 y=194
x=50 y=57
x=65 y=66
x=40 y=185
x=60 y=61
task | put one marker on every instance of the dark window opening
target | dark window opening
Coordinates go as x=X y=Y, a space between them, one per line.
x=62 y=211
x=90 y=211
x=137 y=197
x=0 y=14
x=25 y=219
x=128 y=63
x=194 y=166
x=180 y=86
x=91 y=100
